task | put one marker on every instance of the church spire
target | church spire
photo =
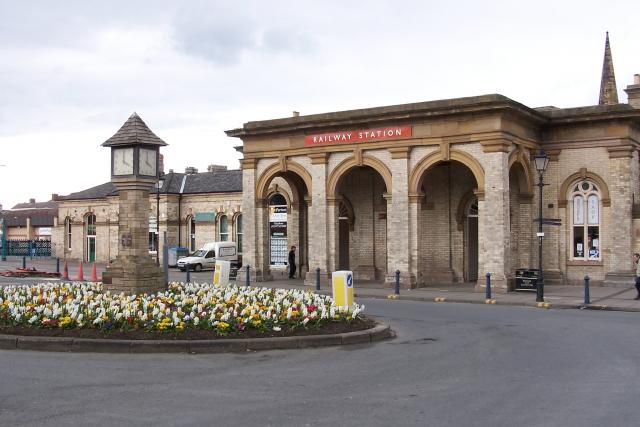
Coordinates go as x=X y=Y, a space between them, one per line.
x=608 y=89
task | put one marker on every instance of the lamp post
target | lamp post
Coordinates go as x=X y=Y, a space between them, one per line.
x=541 y=161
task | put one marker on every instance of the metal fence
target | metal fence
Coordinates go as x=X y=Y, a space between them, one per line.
x=28 y=248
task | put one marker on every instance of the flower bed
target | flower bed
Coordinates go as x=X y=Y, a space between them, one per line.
x=182 y=311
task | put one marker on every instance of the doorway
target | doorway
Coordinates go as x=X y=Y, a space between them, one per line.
x=471 y=237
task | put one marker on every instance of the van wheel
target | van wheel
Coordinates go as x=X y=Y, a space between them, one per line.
x=198 y=267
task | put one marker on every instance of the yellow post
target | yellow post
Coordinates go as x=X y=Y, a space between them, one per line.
x=342 y=284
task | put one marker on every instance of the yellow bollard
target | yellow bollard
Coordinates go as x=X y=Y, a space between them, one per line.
x=342 y=284
x=221 y=273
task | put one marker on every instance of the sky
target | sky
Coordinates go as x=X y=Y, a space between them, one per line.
x=72 y=72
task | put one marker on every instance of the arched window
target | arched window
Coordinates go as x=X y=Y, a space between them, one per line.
x=224 y=228
x=192 y=233
x=67 y=228
x=90 y=233
x=239 y=232
x=585 y=221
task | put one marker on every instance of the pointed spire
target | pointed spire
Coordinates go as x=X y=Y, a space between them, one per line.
x=608 y=89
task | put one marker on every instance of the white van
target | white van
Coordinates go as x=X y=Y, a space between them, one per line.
x=205 y=257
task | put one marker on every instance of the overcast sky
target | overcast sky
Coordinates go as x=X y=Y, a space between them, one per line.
x=72 y=72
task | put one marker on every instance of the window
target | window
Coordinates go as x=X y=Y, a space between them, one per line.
x=239 y=232
x=192 y=234
x=224 y=228
x=585 y=221
x=67 y=227
x=91 y=225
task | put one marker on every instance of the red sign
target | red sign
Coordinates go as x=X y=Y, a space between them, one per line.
x=362 y=135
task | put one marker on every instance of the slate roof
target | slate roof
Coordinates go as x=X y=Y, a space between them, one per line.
x=39 y=217
x=225 y=181
x=134 y=131
x=37 y=205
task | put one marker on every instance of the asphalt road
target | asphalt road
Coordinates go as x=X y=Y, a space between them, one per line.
x=451 y=365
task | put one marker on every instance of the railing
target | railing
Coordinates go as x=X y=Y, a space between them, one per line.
x=31 y=248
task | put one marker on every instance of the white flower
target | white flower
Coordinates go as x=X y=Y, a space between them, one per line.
x=277 y=328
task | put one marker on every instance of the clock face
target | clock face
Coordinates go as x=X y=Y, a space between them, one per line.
x=123 y=161
x=147 y=162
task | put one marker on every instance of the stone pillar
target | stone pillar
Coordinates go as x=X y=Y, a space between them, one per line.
x=398 y=220
x=414 y=217
x=250 y=242
x=493 y=221
x=133 y=271
x=620 y=221
x=318 y=221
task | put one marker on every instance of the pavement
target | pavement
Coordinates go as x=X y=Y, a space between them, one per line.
x=555 y=296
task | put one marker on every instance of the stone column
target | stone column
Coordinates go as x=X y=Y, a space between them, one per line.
x=250 y=242
x=620 y=221
x=414 y=218
x=398 y=220
x=319 y=222
x=493 y=221
x=133 y=271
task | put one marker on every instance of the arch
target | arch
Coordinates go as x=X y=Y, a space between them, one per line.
x=262 y=186
x=525 y=180
x=417 y=174
x=345 y=210
x=463 y=206
x=582 y=175
x=350 y=163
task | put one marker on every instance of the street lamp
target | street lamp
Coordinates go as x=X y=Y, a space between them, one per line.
x=158 y=186
x=541 y=161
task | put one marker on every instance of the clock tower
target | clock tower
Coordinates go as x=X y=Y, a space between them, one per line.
x=134 y=171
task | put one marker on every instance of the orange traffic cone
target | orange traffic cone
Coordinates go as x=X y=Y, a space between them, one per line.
x=80 y=272
x=94 y=274
x=65 y=274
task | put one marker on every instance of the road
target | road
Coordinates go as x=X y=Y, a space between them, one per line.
x=450 y=365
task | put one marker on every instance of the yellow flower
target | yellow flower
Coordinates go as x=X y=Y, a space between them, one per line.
x=256 y=323
x=223 y=325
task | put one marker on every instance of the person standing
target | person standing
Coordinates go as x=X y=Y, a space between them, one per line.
x=292 y=262
x=636 y=259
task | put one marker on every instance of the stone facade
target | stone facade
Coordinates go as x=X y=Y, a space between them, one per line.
x=456 y=197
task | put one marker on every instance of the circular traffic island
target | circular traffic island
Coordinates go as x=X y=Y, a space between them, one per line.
x=189 y=318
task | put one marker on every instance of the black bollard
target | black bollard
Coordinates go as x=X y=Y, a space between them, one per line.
x=587 y=299
x=58 y=265
x=487 y=291
x=318 y=279
x=188 y=273
x=397 y=291
x=24 y=262
x=248 y=278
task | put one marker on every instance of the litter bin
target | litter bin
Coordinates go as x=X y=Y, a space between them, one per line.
x=526 y=279
x=175 y=253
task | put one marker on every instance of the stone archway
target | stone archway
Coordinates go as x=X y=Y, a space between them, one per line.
x=443 y=191
x=358 y=193
x=295 y=187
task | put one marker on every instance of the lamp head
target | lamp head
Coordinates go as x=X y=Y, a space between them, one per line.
x=541 y=161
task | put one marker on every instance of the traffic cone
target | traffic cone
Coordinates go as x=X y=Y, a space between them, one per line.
x=65 y=273
x=94 y=274
x=80 y=272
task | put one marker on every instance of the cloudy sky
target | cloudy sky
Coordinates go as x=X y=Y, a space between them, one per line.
x=72 y=72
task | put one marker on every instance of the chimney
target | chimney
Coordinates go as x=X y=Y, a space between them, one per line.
x=633 y=92
x=216 y=168
x=190 y=170
x=32 y=201
x=296 y=114
x=54 y=197
x=161 y=164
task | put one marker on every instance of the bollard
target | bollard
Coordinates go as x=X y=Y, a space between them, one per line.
x=587 y=299
x=397 y=291
x=24 y=262
x=188 y=273
x=58 y=265
x=488 y=287
x=248 y=278
x=318 y=279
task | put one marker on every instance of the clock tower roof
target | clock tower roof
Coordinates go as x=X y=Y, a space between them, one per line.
x=134 y=132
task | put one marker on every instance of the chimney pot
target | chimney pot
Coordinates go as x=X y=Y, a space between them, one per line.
x=636 y=79
x=32 y=201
